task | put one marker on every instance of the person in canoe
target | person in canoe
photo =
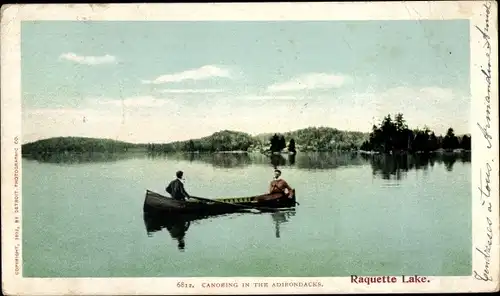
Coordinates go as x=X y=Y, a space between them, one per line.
x=176 y=187
x=279 y=185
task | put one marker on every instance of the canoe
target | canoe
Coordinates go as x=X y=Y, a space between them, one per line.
x=155 y=202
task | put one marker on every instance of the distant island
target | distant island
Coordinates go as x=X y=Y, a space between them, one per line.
x=391 y=136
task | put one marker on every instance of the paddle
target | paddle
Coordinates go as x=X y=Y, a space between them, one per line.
x=259 y=210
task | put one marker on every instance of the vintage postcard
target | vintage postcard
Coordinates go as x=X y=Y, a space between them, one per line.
x=286 y=148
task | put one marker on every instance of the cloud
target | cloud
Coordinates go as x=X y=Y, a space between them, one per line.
x=269 y=98
x=310 y=81
x=411 y=98
x=191 y=91
x=88 y=60
x=144 y=101
x=202 y=73
x=425 y=94
x=114 y=123
x=57 y=112
x=149 y=118
x=436 y=107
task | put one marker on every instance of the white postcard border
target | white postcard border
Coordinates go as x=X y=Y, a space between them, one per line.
x=483 y=158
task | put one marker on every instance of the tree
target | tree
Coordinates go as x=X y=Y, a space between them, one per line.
x=190 y=146
x=366 y=146
x=278 y=143
x=291 y=146
x=282 y=142
x=402 y=136
x=433 y=142
x=465 y=142
x=400 y=122
x=393 y=135
x=450 y=141
x=420 y=141
x=376 y=138
x=388 y=132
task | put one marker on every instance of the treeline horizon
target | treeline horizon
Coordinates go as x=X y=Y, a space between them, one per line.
x=395 y=136
x=389 y=136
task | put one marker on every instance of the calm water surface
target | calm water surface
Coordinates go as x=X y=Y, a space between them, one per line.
x=364 y=215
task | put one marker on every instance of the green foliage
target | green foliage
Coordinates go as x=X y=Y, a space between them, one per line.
x=291 y=146
x=318 y=139
x=326 y=139
x=450 y=141
x=220 y=141
x=308 y=139
x=77 y=145
x=465 y=142
x=278 y=143
x=391 y=136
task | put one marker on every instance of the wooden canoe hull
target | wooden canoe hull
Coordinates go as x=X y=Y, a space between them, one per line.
x=155 y=202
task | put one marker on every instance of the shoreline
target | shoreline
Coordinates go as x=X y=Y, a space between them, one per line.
x=239 y=152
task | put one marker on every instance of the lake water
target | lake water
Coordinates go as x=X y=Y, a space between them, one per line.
x=363 y=215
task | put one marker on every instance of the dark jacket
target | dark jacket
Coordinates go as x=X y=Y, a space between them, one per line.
x=176 y=190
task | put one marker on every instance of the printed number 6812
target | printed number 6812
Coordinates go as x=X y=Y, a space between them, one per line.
x=184 y=285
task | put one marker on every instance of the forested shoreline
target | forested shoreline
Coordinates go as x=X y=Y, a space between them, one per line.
x=390 y=136
x=79 y=145
x=394 y=136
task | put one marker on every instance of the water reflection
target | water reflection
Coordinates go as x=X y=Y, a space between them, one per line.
x=308 y=161
x=220 y=160
x=277 y=161
x=397 y=166
x=178 y=225
x=383 y=166
x=280 y=218
x=328 y=160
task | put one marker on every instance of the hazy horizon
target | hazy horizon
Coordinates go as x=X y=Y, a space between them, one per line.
x=159 y=82
x=253 y=135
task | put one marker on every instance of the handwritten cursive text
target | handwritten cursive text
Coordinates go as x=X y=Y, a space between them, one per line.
x=486 y=190
x=486 y=72
x=485 y=251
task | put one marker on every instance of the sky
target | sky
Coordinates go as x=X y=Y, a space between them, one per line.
x=148 y=81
